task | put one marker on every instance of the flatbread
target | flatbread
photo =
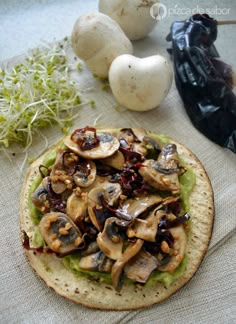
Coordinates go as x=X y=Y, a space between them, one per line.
x=101 y=295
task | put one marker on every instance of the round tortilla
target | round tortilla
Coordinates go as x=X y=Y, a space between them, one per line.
x=101 y=295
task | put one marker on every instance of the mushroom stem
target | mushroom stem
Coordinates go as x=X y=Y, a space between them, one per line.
x=234 y=78
x=118 y=266
x=141 y=220
x=226 y=22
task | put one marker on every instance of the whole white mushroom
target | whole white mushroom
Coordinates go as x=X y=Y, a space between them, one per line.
x=98 y=40
x=140 y=84
x=133 y=16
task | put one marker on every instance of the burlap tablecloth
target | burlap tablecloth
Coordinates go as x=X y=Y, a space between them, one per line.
x=210 y=297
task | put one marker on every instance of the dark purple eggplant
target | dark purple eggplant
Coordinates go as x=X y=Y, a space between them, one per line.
x=204 y=82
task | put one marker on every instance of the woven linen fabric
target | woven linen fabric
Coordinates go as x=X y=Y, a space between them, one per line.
x=210 y=297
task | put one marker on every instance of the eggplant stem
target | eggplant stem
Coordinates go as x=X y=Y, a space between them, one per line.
x=226 y=22
x=234 y=78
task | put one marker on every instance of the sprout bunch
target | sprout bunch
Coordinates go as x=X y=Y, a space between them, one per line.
x=35 y=94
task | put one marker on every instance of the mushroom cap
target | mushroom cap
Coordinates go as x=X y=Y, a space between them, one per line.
x=76 y=207
x=111 y=192
x=135 y=207
x=129 y=253
x=109 y=241
x=150 y=173
x=107 y=146
x=96 y=262
x=116 y=160
x=139 y=268
x=86 y=175
x=180 y=242
x=145 y=229
x=60 y=166
x=39 y=196
x=134 y=139
x=60 y=233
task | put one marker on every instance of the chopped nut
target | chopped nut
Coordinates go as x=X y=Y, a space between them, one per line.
x=54 y=236
x=166 y=181
x=68 y=226
x=54 y=178
x=47 y=204
x=63 y=231
x=165 y=247
x=52 y=218
x=171 y=268
x=78 y=241
x=77 y=191
x=176 y=237
x=69 y=186
x=84 y=196
x=47 y=225
x=149 y=222
x=175 y=252
x=115 y=239
x=178 y=258
x=63 y=178
x=56 y=245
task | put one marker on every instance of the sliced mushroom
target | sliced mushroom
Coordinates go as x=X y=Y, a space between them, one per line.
x=40 y=196
x=168 y=159
x=96 y=262
x=117 y=268
x=162 y=174
x=140 y=267
x=59 y=186
x=98 y=182
x=132 y=136
x=179 y=246
x=106 y=265
x=111 y=193
x=91 y=249
x=60 y=233
x=134 y=139
x=82 y=143
x=146 y=229
x=135 y=207
x=60 y=179
x=115 y=161
x=139 y=148
x=110 y=241
x=76 y=207
x=85 y=174
x=153 y=146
